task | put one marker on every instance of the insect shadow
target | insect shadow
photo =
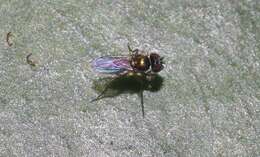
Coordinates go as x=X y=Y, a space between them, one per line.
x=133 y=84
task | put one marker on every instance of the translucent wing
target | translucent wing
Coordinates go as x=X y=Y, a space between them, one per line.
x=111 y=65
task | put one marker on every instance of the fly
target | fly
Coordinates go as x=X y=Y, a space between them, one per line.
x=138 y=63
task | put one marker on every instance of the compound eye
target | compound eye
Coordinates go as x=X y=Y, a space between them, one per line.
x=157 y=68
x=156 y=62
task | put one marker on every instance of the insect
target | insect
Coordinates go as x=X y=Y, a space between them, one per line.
x=137 y=63
x=30 y=61
x=9 y=34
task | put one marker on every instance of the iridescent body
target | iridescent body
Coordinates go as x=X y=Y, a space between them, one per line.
x=137 y=62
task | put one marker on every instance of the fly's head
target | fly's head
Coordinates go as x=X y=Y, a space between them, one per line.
x=157 y=63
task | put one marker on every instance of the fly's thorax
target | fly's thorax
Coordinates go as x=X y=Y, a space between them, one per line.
x=140 y=62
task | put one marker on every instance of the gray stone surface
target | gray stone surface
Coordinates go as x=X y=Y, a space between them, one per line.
x=208 y=106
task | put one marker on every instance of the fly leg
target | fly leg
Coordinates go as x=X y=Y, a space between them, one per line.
x=142 y=84
x=142 y=101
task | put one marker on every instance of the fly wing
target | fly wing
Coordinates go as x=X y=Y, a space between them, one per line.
x=111 y=65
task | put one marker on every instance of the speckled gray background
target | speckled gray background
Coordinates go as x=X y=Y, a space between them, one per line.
x=208 y=106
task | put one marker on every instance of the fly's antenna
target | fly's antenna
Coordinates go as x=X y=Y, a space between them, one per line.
x=131 y=51
x=129 y=48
